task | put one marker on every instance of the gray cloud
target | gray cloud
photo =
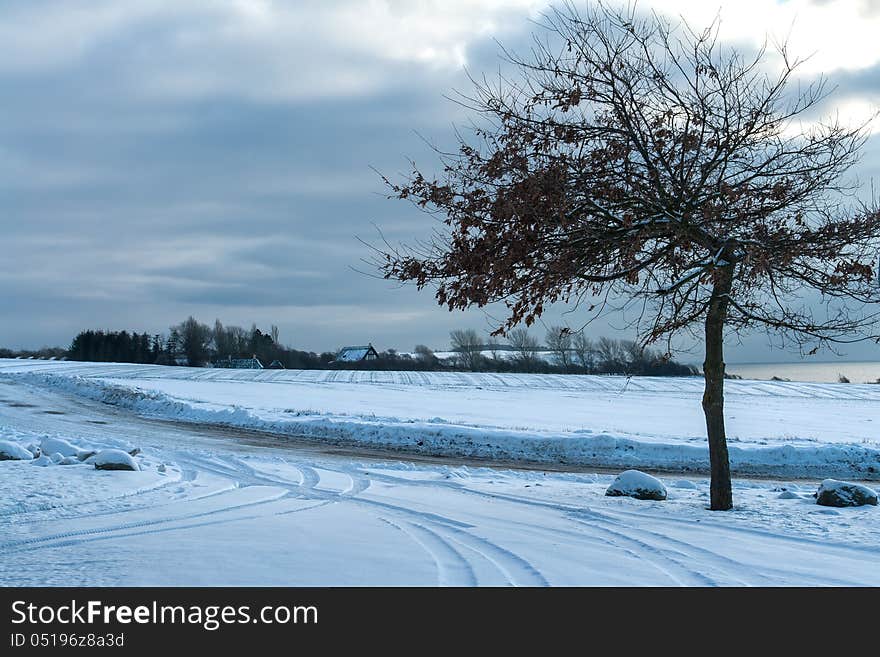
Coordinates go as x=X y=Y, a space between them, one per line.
x=866 y=7
x=156 y=163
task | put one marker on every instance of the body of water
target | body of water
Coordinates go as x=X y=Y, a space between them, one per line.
x=856 y=372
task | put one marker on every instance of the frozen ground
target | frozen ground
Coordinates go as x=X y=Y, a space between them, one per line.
x=229 y=506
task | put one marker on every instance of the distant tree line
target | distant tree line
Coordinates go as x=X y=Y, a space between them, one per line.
x=195 y=344
x=44 y=353
x=118 y=347
x=564 y=352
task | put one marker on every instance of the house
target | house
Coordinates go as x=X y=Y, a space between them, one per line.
x=276 y=365
x=239 y=363
x=356 y=354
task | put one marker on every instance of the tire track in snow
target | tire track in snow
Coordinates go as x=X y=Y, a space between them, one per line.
x=452 y=568
x=762 y=575
x=617 y=515
x=687 y=551
x=670 y=556
x=359 y=485
x=60 y=506
x=145 y=506
x=304 y=508
x=692 y=553
x=636 y=554
x=29 y=543
x=311 y=477
x=674 y=568
x=241 y=476
x=515 y=569
x=112 y=536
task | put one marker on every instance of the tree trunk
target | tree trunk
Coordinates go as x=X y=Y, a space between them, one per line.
x=721 y=496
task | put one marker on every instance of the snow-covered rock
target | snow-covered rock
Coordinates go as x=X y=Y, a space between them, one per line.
x=789 y=495
x=113 y=459
x=843 y=493
x=43 y=461
x=10 y=451
x=58 y=446
x=637 y=484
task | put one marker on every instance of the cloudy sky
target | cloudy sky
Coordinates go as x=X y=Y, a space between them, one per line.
x=213 y=157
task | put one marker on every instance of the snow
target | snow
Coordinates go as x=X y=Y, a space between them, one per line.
x=113 y=459
x=638 y=484
x=13 y=451
x=227 y=506
x=846 y=493
x=501 y=354
x=352 y=354
x=50 y=445
x=837 y=486
x=774 y=428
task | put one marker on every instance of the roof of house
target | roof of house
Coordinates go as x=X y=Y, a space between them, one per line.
x=354 y=354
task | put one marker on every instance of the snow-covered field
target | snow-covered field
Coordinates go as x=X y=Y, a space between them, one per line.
x=217 y=505
x=774 y=428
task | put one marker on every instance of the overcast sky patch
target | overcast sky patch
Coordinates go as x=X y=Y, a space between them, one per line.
x=215 y=158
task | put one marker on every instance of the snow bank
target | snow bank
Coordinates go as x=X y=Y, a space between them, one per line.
x=637 y=484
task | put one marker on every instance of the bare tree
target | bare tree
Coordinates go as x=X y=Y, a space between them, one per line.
x=223 y=345
x=526 y=347
x=466 y=343
x=634 y=162
x=559 y=342
x=638 y=358
x=611 y=355
x=584 y=351
x=239 y=340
